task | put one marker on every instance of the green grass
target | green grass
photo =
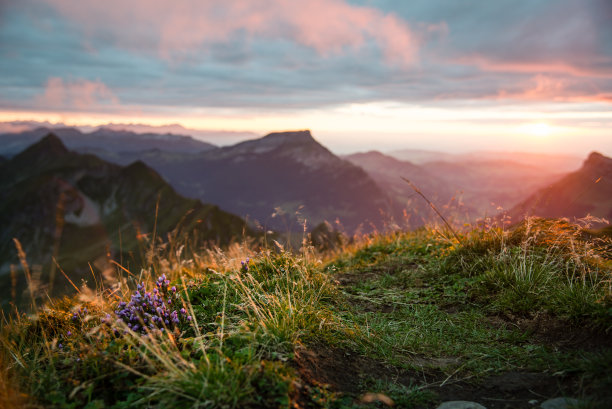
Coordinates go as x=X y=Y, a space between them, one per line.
x=415 y=310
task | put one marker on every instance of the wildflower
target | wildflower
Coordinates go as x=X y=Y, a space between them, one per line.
x=150 y=310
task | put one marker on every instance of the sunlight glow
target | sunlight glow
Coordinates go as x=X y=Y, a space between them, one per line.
x=540 y=129
x=353 y=127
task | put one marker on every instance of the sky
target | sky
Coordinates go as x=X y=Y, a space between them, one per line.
x=449 y=75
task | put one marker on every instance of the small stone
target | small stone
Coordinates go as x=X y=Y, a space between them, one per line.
x=460 y=404
x=560 y=403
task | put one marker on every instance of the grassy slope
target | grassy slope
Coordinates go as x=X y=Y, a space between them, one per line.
x=500 y=318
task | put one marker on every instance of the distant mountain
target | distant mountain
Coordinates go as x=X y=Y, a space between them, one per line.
x=286 y=170
x=488 y=185
x=420 y=156
x=214 y=136
x=387 y=172
x=81 y=209
x=561 y=163
x=118 y=146
x=464 y=190
x=585 y=191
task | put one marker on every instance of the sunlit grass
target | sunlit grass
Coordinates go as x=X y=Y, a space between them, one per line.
x=409 y=300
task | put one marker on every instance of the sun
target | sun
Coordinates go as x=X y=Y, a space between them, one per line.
x=539 y=129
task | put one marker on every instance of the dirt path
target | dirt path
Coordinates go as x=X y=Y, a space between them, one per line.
x=348 y=372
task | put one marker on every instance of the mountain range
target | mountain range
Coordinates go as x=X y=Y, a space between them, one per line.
x=465 y=189
x=276 y=181
x=279 y=180
x=119 y=146
x=562 y=163
x=79 y=209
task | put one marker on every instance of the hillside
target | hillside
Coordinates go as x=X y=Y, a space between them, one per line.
x=585 y=191
x=289 y=171
x=80 y=210
x=504 y=319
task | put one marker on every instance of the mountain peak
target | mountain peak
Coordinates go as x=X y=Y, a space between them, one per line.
x=290 y=136
x=48 y=147
x=596 y=159
x=52 y=144
x=283 y=143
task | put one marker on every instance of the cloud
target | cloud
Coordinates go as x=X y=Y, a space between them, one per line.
x=280 y=55
x=598 y=66
x=79 y=95
x=181 y=28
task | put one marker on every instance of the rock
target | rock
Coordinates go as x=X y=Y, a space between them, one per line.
x=460 y=404
x=559 y=403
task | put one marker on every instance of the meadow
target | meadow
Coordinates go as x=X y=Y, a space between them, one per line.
x=504 y=316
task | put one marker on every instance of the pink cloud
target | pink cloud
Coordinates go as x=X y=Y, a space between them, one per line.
x=540 y=87
x=601 y=70
x=77 y=94
x=550 y=88
x=179 y=28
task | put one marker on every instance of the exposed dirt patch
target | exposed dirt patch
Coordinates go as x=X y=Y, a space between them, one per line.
x=508 y=390
x=553 y=331
x=337 y=368
x=344 y=371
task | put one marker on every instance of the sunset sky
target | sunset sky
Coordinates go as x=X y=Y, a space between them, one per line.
x=369 y=74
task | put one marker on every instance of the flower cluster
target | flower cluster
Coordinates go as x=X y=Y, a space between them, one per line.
x=79 y=314
x=153 y=310
x=244 y=265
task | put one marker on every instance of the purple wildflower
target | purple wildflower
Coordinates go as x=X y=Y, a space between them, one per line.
x=151 y=310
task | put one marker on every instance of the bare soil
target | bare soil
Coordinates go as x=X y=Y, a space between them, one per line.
x=555 y=332
x=343 y=371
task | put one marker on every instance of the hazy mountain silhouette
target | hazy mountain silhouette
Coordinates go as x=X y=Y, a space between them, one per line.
x=118 y=146
x=585 y=191
x=561 y=163
x=388 y=171
x=463 y=190
x=486 y=185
